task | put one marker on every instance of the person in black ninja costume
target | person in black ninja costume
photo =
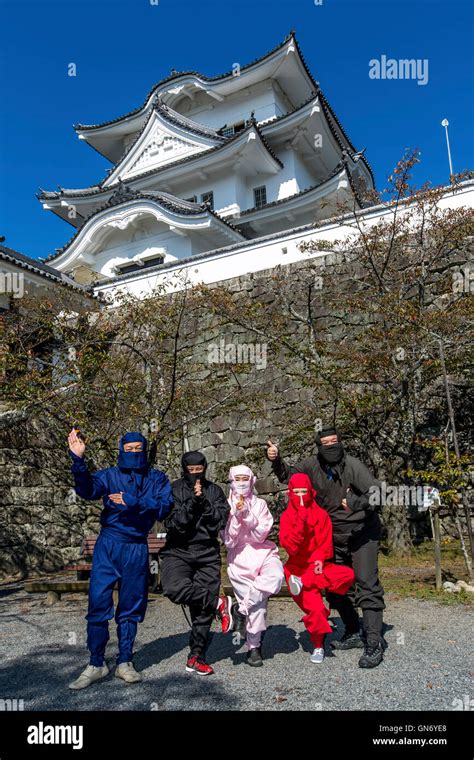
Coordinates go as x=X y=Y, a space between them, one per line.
x=348 y=491
x=191 y=560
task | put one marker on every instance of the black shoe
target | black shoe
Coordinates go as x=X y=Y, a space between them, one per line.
x=373 y=656
x=239 y=621
x=349 y=641
x=254 y=657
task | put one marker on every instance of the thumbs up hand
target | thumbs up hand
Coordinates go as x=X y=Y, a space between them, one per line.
x=272 y=451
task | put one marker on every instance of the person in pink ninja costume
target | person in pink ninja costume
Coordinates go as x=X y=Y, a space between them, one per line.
x=253 y=563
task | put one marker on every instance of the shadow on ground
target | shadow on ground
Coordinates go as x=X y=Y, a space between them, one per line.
x=41 y=680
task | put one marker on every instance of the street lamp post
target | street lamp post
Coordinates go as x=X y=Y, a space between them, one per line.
x=445 y=124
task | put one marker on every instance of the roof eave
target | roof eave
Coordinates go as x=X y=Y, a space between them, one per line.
x=230 y=75
x=177 y=212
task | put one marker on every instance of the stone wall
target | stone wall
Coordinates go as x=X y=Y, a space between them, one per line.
x=42 y=522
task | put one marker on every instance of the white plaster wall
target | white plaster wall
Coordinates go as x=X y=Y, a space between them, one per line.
x=293 y=177
x=260 y=98
x=178 y=247
x=232 y=189
x=305 y=173
x=223 y=187
x=261 y=255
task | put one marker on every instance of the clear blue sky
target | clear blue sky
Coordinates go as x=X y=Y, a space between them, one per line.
x=122 y=47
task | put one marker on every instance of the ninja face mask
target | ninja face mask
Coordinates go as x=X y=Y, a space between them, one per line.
x=241 y=487
x=133 y=460
x=300 y=500
x=332 y=454
x=193 y=458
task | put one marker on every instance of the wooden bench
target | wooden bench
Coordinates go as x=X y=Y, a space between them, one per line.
x=54 y=589
x=226 y=586
x=83 y=567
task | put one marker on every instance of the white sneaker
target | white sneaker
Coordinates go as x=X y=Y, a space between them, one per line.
x=318 y=655
x=89 y=675
x=127 y=673
x=295 y=585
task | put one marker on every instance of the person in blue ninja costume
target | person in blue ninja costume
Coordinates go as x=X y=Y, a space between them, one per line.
x=134 y=496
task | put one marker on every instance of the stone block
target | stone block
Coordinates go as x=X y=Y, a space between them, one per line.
x=33 y=496
x=267 y=485
x=211 y=439
x=210 y=453
x=9 y=457
x=30 y=477
x=195 y=442
x=229 y=453
x=219 y=424
x=231 y=436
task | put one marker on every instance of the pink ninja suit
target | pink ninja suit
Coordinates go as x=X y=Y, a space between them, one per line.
x=253 y=563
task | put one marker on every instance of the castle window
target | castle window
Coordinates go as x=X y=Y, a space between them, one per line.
x=125 y=268
x=260 y=196
x=234 y=129
x=208 y=198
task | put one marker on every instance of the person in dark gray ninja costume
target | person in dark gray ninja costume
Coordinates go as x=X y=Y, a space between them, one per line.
x=347 y=490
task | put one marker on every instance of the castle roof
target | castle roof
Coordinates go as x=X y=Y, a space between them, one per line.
x=39 y=268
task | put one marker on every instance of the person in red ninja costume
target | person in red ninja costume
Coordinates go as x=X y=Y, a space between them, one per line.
x=306 y=534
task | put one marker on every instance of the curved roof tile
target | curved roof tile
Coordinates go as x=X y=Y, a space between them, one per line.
x=170 y=202
x=178 y=75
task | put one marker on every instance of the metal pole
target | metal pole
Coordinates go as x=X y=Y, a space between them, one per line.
x=437 y=546
x=445 y=124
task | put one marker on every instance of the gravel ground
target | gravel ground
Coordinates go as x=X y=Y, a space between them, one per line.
x=428 y=664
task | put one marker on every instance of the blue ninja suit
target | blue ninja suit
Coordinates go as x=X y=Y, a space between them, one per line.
x=121 y=550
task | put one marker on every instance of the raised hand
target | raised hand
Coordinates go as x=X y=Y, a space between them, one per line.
x=241 y=503
x=272 y=451
x=198 y=488
x=76 y=444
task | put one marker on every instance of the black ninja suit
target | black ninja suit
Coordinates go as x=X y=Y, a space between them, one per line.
x=335 y=476
x=191 y=563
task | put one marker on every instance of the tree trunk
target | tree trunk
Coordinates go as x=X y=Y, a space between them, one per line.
x=398 y=531
x=466 y=505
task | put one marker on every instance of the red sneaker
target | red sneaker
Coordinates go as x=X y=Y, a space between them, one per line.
x=224 y=612
x=196 y=665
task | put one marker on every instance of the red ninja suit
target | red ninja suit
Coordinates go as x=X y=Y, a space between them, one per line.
x=306 y=534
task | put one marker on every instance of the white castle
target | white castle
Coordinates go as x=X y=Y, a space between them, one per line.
x=218 y=175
